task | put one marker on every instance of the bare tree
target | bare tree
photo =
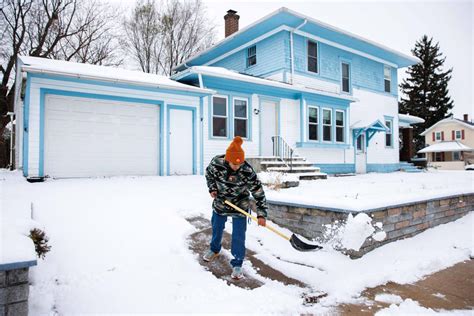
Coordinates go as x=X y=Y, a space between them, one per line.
x=66 y=29
x=160 y=37
x=143 y=40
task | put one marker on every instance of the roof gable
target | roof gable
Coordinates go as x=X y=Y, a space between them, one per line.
x=449 y=120
x=285 y=19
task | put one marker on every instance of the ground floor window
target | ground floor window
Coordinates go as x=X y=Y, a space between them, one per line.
x=241 y=118
x=340 y=126
x=360 y=143
x=388 y=134
x=456 y=155
x=438 y=156
x=313 y=116
x=327 y=125
x=219 y=116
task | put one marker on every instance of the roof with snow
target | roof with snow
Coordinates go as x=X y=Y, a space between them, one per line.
x=103 y=73
x=407 y=119
x=286 y=19
x=224 y=73
x=450 y=119
x=445 y=147
x=369 y=125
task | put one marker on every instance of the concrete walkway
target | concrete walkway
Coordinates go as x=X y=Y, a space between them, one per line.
x=449 y=289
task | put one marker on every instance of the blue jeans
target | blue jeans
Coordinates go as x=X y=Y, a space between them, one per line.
x=239 y=226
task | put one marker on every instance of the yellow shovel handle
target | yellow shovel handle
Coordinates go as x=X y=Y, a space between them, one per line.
x=256 y=219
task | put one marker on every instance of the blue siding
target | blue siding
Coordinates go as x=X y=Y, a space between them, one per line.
x=365 y=73
x=383 y=168
x=271 y=54
x=336 y=168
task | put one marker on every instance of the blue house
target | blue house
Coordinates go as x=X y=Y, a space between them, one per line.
x=286 y=83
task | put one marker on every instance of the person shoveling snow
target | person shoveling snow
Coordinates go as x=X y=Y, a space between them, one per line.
x=230 y=177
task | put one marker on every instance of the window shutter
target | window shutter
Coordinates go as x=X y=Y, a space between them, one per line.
x=434 y=136
x=462 y=134
x=442 y=135
x=452 y=135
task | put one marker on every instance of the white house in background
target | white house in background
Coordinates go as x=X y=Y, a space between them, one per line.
x=450 y=143
x=327 y=93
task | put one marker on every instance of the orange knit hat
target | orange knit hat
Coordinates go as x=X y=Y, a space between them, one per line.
x=234 y=152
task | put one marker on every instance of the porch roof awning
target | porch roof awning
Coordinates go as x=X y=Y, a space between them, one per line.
x=445 y=147
x=365 y=125
x=406 y=120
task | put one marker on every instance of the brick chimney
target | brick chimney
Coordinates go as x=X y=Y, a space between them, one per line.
x=231 y=22
x=466 y=118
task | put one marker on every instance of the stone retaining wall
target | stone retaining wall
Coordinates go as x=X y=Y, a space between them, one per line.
x=14 y=289
x=399 y=221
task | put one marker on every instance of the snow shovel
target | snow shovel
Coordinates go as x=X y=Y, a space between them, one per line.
x=294 y=240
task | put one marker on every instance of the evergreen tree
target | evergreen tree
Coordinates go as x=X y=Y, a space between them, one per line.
x=425 y=91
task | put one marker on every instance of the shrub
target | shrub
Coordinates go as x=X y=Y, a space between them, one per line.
x=41 y=242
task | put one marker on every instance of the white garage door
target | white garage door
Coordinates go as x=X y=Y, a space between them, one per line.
x=90 y=137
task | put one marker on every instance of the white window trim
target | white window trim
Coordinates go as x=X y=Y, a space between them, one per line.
x=317 y=123
x=331 y=125
x=246 y=115
x=389 y=78
x=436 y=136
x=317 y=56
x=226 y=117
x=343 y=127
x=389 y=133
x=456 y=135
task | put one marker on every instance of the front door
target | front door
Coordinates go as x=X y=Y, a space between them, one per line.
x=268 y=127
x=361 y=154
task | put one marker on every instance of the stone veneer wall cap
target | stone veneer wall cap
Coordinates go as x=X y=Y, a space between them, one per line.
x=17 y=265
x=382 y=208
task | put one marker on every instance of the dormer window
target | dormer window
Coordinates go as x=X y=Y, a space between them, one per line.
x=312 y=56
x=251 y=56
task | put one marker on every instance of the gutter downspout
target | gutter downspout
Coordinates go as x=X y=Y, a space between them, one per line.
x=292 y=53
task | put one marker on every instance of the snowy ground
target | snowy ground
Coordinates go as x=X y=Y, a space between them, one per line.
x=119 y=245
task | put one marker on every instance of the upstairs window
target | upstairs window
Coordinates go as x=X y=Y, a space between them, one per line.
x=438 y=136
x=312 y=56
x=327 y=125
x=387 y=75
x=345 y=77
x=458 y=135
x=240 y=118
x=313 y=123
x=219 y=117
x=251 y=56
x=388 y=134
x=340 y=126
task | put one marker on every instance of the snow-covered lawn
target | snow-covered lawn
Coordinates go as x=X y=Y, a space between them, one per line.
x=120 y=245
x=374 y=190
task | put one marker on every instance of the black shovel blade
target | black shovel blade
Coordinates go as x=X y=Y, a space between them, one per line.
x=300 y=245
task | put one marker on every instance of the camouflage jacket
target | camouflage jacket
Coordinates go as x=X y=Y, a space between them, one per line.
x=234 y=186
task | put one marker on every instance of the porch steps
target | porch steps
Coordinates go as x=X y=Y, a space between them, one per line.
x=409 y=167
x=301 y=168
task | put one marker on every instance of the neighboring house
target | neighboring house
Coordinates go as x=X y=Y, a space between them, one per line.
x=329 y=94
x=449 y=142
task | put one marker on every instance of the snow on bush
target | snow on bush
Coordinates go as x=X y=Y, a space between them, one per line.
x=274 y=180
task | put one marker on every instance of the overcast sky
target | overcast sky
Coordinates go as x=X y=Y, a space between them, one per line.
x=396 y=24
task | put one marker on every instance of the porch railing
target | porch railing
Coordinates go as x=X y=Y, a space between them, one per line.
x=283 y=151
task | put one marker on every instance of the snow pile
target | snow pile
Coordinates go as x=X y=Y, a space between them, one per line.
x=352 y=233
x=15 y=226
x=388 y=298
x=410 y=307
x=276 y=180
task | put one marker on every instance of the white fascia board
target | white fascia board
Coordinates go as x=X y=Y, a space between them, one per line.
x=336 y=29
x=266 y=82
x=33 y=69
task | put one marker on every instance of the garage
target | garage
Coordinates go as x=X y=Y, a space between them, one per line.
x=89 y=137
